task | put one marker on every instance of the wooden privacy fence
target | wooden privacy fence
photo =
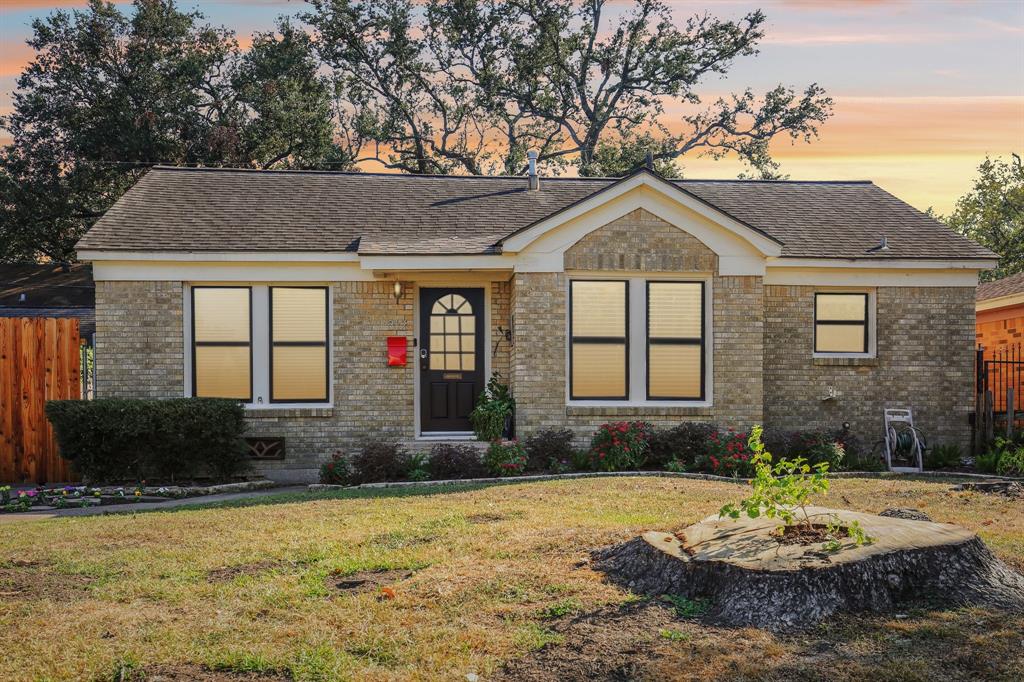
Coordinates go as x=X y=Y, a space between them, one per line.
x=39 y=360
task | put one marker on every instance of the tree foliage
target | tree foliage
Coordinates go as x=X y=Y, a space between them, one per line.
x=108 y=95
x=992 y=214
x=422 y=86
x=470 y=85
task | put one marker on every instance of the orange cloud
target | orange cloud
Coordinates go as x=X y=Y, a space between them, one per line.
x=42 y=4
x=13 y=59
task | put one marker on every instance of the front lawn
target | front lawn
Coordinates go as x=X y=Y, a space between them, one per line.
x=480 y=577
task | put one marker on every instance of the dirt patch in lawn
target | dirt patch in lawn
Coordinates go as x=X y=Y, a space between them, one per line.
x=229 y=573
x=198 y=673
x=611 y=643
x=485 y=518
x=367 y=581
x=31 y=580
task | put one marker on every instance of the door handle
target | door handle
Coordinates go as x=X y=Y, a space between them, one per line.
x=423 y=359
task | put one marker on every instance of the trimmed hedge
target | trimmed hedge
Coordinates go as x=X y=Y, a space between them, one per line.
x=115 y=439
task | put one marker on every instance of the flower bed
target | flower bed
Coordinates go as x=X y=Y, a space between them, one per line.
x=45 y=498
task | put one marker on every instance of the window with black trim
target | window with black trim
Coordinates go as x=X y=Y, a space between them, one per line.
x=298 y=344
x=599 y=339
x=222 y=342
x=841 y=322
x=675 y=340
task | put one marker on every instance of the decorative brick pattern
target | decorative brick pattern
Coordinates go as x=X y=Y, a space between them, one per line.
x=925 y=339
x=140 y=347
x=639 y=242
x=642 y=242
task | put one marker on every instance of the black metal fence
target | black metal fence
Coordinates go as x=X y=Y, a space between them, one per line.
x=1000 y=380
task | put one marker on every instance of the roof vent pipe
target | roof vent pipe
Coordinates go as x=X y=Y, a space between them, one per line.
x=534 y=180
x=884 y=246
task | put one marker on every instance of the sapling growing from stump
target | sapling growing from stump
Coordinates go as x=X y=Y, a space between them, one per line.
x=783 y=489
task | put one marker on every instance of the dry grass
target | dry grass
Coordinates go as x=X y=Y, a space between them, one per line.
x=495 y=574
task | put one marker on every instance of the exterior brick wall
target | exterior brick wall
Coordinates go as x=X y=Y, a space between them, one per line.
x=925 y=361
x=637 y=242
x=1000 y=327
x=501 y=311
x=140 y=347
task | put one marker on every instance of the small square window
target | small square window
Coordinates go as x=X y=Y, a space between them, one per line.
x=841 y=323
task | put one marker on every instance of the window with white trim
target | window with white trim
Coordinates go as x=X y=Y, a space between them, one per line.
x=637 y=340
x=841 y=323
x=261 y=344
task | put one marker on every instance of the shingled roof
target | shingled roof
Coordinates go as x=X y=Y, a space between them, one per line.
x=188 y=209
x=1007 y=286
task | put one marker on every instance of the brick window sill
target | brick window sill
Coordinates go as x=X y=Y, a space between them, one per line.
x=844 y=362
x=289 y=412
x=636 y=411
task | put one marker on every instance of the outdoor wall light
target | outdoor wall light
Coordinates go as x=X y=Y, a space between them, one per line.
x=397 y=291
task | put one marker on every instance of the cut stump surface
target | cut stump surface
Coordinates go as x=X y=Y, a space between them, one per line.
x=753 y=580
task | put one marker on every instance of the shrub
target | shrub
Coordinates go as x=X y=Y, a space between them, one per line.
x=493 y=408
x=1011 y=462
x=506 y=459
x=813 y=446
x=727 y=455
x=942 y=457
x=682 y=443
x=448 y=461
x=114 y=439
x=379 y=460
x=988 y=462
x=336 y=470
x=547 y=445
x=619 y=446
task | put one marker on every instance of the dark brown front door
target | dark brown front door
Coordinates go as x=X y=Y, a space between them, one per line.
x=451 y=357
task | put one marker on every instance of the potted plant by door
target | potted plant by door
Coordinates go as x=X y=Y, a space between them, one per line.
x=492 y=416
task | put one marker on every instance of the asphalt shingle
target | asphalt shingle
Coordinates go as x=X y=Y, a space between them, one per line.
x=178 y=209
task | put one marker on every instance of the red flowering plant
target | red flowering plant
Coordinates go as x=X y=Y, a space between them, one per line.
x=728 y=454
x=336 y=471
x=619 y=446
x=507 y=458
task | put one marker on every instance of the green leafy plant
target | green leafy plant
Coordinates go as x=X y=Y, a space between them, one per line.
x=619 y=446
x=335 y=471
x=379 y=460
x=506 y=458
x=987 y=462
x=547 y=445
x=114 y=439
x=728 y=454
x=677 y=465
x=493 y=409
x=686 y=607
x=683 y=443
x=455 y=460
x=1011 y=462
x=942 y=456
x=782 y=490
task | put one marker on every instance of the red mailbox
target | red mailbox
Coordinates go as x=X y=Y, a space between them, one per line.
x=396 y=351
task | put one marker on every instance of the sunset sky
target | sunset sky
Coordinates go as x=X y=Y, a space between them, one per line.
x=923 y=89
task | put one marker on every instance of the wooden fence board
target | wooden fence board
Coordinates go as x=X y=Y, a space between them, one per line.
x=39 y=361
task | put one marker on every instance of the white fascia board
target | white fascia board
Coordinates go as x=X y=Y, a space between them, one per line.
x=1000 y=302
x=428 y=262
x=870 y=277
x=220 y=256
x=885 y=263
x=521 y=241
x=229 y=271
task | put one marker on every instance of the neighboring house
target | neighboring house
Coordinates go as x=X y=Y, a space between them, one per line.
x=49 y=290
x=800 y=305
x=1000 y=313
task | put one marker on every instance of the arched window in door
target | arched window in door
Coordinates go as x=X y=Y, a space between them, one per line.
x=452 y=334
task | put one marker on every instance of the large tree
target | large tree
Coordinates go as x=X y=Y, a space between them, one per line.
x=109 y=94
x=992 y=214
x=469 y=85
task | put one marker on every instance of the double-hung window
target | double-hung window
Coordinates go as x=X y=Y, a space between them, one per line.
x=637 y=340
x=261 y=344
x=841 y=323
x=222 y=342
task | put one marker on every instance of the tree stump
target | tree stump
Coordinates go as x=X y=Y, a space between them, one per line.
x=754 y=580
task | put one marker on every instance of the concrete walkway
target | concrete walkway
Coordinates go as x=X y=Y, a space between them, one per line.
x=147 y=506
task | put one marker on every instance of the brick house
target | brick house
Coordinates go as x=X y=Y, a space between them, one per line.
x=794 y=304
x=1000 y=312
